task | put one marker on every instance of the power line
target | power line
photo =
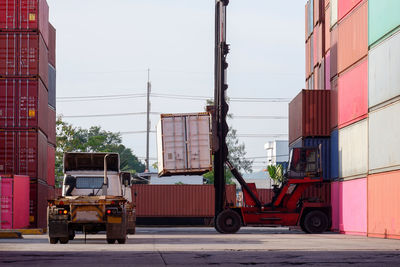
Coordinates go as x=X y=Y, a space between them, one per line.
x=260 y=117
x=135 y=132
x=110 y=115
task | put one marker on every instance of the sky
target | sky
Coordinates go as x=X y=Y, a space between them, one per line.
x=106 y=48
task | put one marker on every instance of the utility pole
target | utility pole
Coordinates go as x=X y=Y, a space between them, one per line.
x=148 y=119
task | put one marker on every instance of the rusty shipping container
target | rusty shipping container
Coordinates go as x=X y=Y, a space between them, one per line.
x=23 y=55
x=23 y=104
x=52 y=45
x=25 y=153
x=384 y=205
x=177 y=200
x=353 y=37
x=25 y=15
x=309 y=114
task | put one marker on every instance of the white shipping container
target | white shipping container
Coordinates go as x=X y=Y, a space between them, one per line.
x=353 y=150
x=384 y=141
x=184 y=144
x=384 y=70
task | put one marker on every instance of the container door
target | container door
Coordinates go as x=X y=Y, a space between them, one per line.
x=175 y=157
x=21 y=202
x=198 y=142
x=6 y=212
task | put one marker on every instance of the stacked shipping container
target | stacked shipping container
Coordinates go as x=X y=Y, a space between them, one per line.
x=27 y=99
x=362 y=55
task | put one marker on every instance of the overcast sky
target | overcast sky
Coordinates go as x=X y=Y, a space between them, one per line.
x=105 y=48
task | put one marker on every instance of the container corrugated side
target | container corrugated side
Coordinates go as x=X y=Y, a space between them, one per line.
x=383 y=19
x=327 y=32
x=353 y=150
x=353 y=94
x=349 y=206
x=328 y=70
x=311 y=16
x=52 y=86
x=334 y=103
x=52 y=45
x=23 y=104
x=21 y=202
x=334 y=12
x=320 y=192
x=6 y=201
x=178 y=200
x=308 y=59
x=384 y=141
x=334 y=52
x=384 y=69
x=51 y=164
x=334 y=154
x=309 y=114
x=345 y=6
x=384 y=205
x=353 y=37
x=51 y=126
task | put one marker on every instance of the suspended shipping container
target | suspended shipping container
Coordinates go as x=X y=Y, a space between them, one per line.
x=353 y=37
x=23 y=55
x=383 y=19
x=309 y=114
x=25 y=15
x=23 y=104
x=178 y=200
x=384 y=205
x=353 y=150
x=353 y=94
x=384 y=141
x=349 y=206
x=52 y=45
x=184 y=144
x=384 y=69
x=25 y=153
x=345 y=6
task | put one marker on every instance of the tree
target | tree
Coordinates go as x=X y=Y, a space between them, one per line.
x=94 y=139
x=276 y=173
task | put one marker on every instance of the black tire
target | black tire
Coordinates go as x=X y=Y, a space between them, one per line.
x=110 y=241
x=121 y=241
x=64 y=240
x=71 y=234
x=53 y=240
x=71 y=237
x=303 y=228
x=228 y=222
x=316 y=222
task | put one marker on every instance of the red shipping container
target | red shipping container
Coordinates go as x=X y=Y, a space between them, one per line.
x=38 y=204
x=309 y=114
x=21 y=202
x=353 y=37
x=23 y=55
x=51 y=164
x=51 y=128
x=58 y=192
x=52 y=45
x=23 y=103
x=265 y=195
x=25 y=153
x=353 y=94
x=345 y=6
x=25 y=15
x=178 y=200
x=334 y=52
x=6 y=203
x=32 y=203
x=318 y=192
x=51 y=193
x=334 y=103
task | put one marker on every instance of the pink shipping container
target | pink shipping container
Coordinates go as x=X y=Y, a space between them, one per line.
x=178 y=200
x=309 y=114
x=353 y=94
x=25 y=153
x=52 y=45
x=345 y=6
x=327 y=32
x=316 y=77
x=51 y=126
x=334 y=52
x=6 y=207
x=328 y=70
x=318 y=11
x=23 y=104
x=51 y=161
x=25 y=15
x=353 y=37
x=349 y=206
x=23 y=55
x=21 y=202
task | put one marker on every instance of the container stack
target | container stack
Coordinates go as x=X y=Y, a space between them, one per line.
x=361 y=55
x=25 y=125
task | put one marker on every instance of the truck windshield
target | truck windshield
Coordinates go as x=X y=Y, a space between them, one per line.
x=89 y=182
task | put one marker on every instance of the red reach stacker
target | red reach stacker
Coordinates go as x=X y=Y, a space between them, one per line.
x=287 y=207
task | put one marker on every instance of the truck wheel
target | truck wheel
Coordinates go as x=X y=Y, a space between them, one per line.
x=228 y=222
x=303 y=228
x=316 y=222
x=110 y=241
x=121 y=241
x=64 y=240
x=71 y=235
x=53 y=240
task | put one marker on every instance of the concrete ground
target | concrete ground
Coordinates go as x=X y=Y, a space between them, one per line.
x=204 y=246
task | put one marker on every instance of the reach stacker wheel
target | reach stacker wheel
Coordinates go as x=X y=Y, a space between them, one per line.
x=110 y=241
x=64 y=240
x=316 y=222
x=121 y=241
x=53 y=240
x=228 y=222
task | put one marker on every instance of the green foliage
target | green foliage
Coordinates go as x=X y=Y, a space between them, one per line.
x=276 y=173
x=94 y=139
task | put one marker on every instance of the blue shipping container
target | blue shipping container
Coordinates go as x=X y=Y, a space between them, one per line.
x=325 y=152
x=334 y=154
